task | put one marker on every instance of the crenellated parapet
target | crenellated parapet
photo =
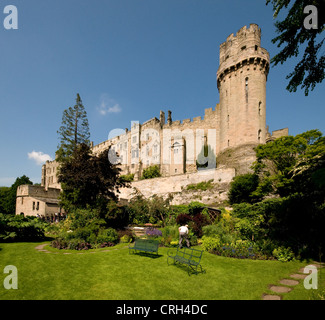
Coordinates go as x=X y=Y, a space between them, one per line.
x=243 y=50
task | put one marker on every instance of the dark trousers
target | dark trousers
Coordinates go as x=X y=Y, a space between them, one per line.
x=183 y=236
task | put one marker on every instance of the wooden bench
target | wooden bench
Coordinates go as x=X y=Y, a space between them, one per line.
x=145 y=245
x=188 y=256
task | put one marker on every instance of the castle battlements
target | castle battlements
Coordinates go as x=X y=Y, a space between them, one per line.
x=242 y=50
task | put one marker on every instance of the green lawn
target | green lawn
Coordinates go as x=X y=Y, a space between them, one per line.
x=116 y=274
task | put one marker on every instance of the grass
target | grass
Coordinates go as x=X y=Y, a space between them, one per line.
x=113 y=273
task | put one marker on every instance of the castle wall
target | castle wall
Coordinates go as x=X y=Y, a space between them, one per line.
x=35 y=200
x=176 y=183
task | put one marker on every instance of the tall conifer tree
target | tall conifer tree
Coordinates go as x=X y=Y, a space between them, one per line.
x=74 y=130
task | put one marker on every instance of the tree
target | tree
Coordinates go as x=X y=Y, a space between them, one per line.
x=281 y=160
x=4 y=192
x=9 y=202
x=88 y=180
x=74 y=130
x=242 y=187
x=294 y=34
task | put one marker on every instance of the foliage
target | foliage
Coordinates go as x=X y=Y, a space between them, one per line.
x=20 y=228
x=151 y=172
x=152 y=210
x=125 y=236
x=183 y=219
x=242 y=249
x=204 y=185
x=116 y=216
x=292 y=32
x=8 y=195
x=88 y=180
x=242 y=188
x=127 y=177
x=73 y=131
x=85 y=229
x=283 y=254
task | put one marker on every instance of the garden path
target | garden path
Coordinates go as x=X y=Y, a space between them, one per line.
x=289 y=284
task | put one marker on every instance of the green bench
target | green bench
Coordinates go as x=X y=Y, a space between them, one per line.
x=188 y=256
x=145 y=245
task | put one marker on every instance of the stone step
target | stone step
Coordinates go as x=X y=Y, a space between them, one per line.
x=289 y=282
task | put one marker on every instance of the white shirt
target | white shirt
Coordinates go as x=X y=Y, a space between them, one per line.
x=183 y=230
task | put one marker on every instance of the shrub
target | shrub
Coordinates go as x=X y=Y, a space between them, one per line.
x=125 y=236
x=211 y=244
x=283 y=254
x=204 y=185
x=107 y=235
x=127 y=177
x=242 y=187
x=199 y=221
x=151 y=172
x=183 y=219
x=20 y=228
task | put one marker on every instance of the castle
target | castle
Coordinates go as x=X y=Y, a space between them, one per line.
x=230 y=131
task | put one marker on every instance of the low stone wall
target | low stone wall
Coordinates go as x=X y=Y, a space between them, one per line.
x=176 y=184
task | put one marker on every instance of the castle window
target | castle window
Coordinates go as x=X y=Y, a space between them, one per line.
x=228 y=143
x=259 y=108
x=33 y=205
x=259 y=135
x=256 y=47
x=243 y=48
x=228 y=121
x=246 y=89
x=37 y=206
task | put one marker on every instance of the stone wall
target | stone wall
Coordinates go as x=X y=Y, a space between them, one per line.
x=177 y=184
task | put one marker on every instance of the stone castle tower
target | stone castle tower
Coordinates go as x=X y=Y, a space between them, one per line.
x=241 y=79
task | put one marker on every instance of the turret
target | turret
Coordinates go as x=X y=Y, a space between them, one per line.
x=241 y=78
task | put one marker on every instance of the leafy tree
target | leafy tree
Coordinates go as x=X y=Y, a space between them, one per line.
x=4 y=192
x=242 y=187
x=280 y=161
x=74 y=129
x=88 y=180
x=292 y=32
x=8 y=195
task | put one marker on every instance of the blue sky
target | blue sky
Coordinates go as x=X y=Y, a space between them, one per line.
x=128 y=59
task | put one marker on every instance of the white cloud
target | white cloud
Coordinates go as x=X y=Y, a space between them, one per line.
x=108 y=105
x=39 y=157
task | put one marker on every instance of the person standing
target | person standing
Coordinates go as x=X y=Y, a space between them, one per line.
x=183 y=235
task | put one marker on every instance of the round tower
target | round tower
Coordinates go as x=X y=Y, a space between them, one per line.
x=241 y=79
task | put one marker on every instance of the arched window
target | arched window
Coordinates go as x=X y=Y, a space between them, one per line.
x=259 y=136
